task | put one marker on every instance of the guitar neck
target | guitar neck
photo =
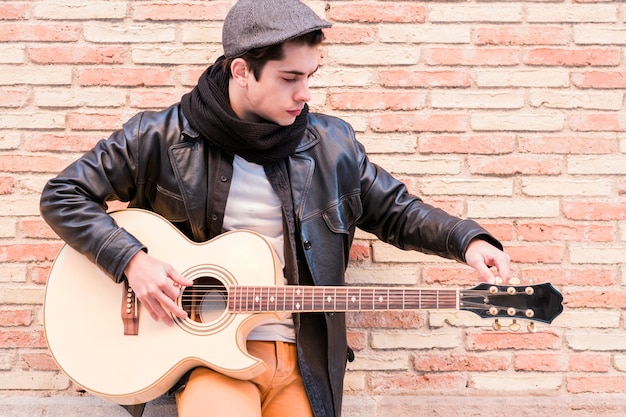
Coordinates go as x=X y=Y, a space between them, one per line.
x=294 y=298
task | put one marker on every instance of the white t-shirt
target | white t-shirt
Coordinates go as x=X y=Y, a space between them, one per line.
x=253 y=205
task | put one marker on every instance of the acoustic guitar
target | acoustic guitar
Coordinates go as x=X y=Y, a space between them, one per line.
x=100 y=339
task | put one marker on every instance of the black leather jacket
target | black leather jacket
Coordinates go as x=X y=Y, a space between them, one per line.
x=159 y=163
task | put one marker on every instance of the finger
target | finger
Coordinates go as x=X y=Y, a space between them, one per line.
x=178 y=278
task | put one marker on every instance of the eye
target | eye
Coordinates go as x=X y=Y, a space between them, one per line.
x=290 y=80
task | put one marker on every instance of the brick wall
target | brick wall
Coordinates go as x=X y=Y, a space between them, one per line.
x=507 y=112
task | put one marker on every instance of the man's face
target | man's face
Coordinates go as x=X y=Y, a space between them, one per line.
x=283 y=87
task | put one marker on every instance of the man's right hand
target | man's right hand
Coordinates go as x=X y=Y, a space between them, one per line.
x=157 y=285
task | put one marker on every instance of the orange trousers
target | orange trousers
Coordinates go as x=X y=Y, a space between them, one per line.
x=278 y=392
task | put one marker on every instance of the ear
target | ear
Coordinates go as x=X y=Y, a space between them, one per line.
x=239 y=70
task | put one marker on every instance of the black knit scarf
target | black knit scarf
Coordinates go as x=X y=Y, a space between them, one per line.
x=207 y=107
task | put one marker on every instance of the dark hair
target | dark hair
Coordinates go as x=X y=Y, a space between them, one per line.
x=258 y=57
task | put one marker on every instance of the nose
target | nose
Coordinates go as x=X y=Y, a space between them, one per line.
x=303 y=93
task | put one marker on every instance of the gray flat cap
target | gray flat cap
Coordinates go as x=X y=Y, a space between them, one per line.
x=254 y=24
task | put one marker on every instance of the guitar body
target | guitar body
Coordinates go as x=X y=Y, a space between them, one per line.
x=83 y=321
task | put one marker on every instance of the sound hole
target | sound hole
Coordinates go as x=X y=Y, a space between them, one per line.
x=206 y=300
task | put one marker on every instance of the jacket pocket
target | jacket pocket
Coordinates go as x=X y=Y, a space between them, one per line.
x=169 y=205
x=342 y=216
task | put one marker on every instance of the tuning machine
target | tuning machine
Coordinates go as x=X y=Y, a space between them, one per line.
x=514 y=326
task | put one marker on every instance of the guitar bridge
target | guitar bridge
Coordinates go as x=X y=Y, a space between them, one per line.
x=130 y=311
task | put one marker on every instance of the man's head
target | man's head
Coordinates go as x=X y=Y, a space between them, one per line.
x=279 y=38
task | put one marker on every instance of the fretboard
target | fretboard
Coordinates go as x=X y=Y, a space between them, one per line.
x=310 y=299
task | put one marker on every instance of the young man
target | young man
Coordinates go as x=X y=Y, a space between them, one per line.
x=241 y=151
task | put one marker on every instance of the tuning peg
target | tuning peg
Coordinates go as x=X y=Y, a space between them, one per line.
x=496 y=325
x=515 y=326
x=531 y=327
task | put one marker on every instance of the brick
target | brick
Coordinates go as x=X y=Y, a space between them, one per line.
x=506 y=209
x=78 y=10
x=27 y=163
x=349 y=35
x=594 y=210
x=489 y=341
x=11 y=273
x=523 y=122
x=576 y=318
x=396 y=362
x=139 y=33
x=409 y=383
x=513 y=164
x=598 y=255
x=476 y=100
x=12 y=54
x=174 y=55
x=599 y=79
x=389 y=274
x=540 y=362
x=35 y=381
x=184 y=11
x=32 y=32
x=386 y=319
x=14 y=10
x=405 y=340
x=455 y=186
x=579 y=13
x=377 y=100
x=488 y=144
x=585 y=144
x=595 y=299
x=38 y=362
x=39 y=120
x=590 y=362
x=77 y=55
x=449 y=362
x=573 y=100
x=594 y=35
x=522 y=35
x=35 y=76
x=596 y=384
x=545 y=254
x=527 y=383
x=25 y=252
x=14 y=97
x=417 y=165
x=552 y=187
x=354 y=55
x=419 y=34
x=607 y=122
x=573 y=58
x=596 y=165
x=153 y=99
x=556 y=78
x=561 y=231
x=370 y=13
x=15 y=317
x=589 y=276
x=471 y=57
x=60 y=142
x=126 y=77
x=348 y=77
x=453 y=13
x=416 y=122
x=22 y=339
x=201 y=33
x=404 y=78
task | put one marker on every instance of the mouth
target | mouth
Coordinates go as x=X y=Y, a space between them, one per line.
x=295 y=113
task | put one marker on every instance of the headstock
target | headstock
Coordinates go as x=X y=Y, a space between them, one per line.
x=540 y=302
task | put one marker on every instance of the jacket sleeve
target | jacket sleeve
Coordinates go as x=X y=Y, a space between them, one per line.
x=74 y=202
x=405 y=221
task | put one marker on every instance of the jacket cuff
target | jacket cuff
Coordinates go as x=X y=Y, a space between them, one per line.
x=463 y=233
x=116 y=253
